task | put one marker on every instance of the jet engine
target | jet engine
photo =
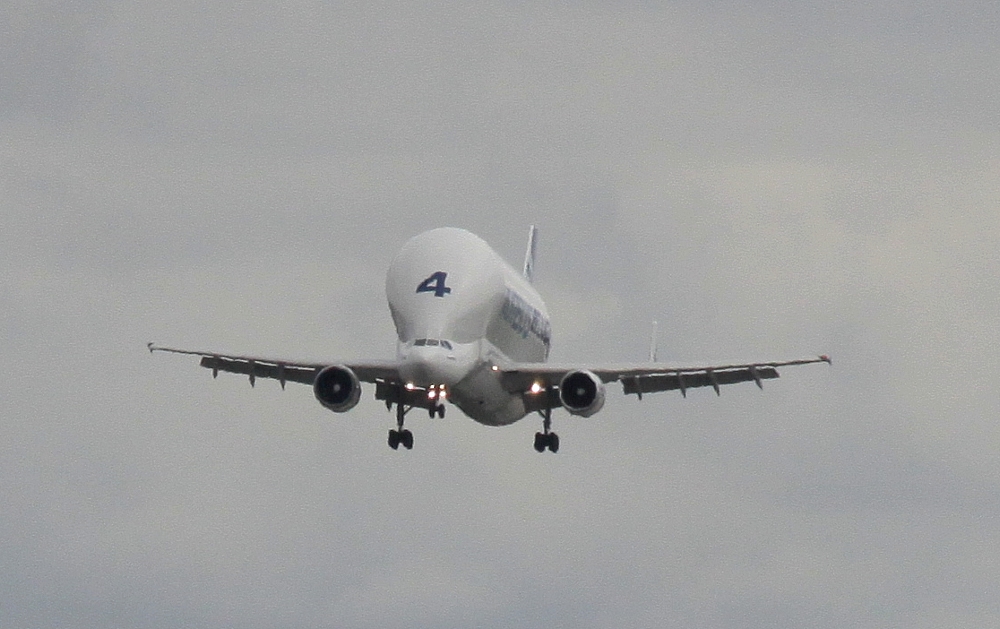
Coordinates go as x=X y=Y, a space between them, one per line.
x=581 y=393
x=337 y=388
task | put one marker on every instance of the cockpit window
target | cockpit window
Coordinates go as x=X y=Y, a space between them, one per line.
x=433 y=343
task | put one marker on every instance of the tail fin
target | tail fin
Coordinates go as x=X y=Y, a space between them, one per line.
x=529 y=256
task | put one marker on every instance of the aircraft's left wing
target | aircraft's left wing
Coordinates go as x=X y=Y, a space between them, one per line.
x=284 y=370
x=650 y=377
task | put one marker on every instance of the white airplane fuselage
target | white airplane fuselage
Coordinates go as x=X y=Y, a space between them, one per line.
x=459 y=311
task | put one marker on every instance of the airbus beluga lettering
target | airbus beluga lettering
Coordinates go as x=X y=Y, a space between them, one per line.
x=473 y=332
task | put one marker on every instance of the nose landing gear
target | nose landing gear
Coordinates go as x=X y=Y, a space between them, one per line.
x=407 y=397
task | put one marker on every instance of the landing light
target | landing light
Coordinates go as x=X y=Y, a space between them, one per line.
x=409 y=386
x=495 y=368
x=536 y=388
x=437 y=391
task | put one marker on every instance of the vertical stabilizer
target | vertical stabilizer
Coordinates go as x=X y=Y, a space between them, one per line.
x=529 y=256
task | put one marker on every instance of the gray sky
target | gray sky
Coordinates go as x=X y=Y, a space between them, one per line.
x=768 y=181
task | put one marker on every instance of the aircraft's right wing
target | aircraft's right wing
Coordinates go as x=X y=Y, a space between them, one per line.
x=282 y=370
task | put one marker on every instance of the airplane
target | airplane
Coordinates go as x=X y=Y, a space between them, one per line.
x=473 y=332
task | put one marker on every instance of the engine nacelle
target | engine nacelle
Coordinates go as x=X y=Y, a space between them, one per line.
x=337 y=388
x=581 y=393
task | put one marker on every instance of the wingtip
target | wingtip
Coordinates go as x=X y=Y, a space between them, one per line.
x=825 y=358
x=150 y=346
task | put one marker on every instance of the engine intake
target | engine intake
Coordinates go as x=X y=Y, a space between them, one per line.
x=581 y=393
x=337 y=388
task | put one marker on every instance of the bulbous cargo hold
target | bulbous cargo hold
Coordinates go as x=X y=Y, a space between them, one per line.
x=447 y=283
x=337 y=388
x=581 y=393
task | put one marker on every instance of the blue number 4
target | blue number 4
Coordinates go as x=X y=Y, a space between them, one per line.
x=435 y=284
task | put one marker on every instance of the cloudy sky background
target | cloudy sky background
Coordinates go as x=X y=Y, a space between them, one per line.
x=772 y=180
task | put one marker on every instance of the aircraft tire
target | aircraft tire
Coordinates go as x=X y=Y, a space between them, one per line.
x=553 y=442
x=406 y=438
x=394 y=439
x=540 y=442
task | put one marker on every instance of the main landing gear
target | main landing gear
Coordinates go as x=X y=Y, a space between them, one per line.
x=400 y=436
x=546 y=438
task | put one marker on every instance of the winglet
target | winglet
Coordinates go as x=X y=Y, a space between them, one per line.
x=150 y=346
x=825 y=358
x=529 y=256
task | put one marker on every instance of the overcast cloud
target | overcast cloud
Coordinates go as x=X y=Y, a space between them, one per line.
x=767 y=180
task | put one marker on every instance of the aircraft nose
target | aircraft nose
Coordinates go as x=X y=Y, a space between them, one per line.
x=425 y=366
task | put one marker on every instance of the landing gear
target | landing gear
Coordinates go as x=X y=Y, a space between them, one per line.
x=400 y=436
x=406 y=398
x=546 y=439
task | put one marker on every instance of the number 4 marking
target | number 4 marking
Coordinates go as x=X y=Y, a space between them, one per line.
x=435 y=284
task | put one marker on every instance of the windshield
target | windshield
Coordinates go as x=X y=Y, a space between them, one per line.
x=433 y=343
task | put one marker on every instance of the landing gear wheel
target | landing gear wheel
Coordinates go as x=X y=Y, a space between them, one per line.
x=540 y=440
x=546 y=441
x=438 y=409
x=406 y=439
x=553 y=442
x=394 y=439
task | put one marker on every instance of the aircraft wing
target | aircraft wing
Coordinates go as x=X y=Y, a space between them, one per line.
x=284 y=370
x=642 y=378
